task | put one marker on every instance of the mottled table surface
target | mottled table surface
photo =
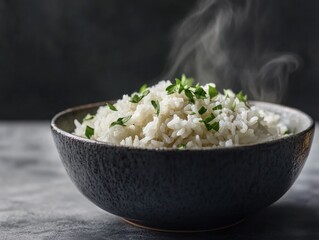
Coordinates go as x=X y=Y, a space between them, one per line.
x=38 y=201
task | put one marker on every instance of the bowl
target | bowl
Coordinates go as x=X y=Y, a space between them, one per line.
x=183 y=190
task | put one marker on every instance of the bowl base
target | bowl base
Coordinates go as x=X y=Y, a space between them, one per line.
x=144 y=226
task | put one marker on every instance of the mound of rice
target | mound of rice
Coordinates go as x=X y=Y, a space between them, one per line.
x=179 y=123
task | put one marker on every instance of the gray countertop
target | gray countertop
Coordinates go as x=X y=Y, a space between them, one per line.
x=38 y=201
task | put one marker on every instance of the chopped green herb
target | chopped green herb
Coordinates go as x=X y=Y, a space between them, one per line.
x=241 y=97
x=89 y=132
x=136 y=98
x=181 y=146
x=180 y=85
x=111 y=106
x=192 y=113
x=88 y=117
x=189 y=94
x=218 y=107
x=121 y=121
x=202 y=110
x=156 y=106
x=208 y=126
x=200 y=93
x=214 y=126
x=210 y=118
x=171 y=89
x=212 y=91
x=143 y=88
x=288 y=132
x=145 y=92
x=186 y=82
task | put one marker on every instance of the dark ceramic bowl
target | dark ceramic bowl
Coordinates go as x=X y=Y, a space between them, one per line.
x=183 y=189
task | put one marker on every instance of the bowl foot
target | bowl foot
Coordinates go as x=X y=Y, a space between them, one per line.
x=141 y=225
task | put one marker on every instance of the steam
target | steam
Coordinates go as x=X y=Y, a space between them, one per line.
x=221 y=42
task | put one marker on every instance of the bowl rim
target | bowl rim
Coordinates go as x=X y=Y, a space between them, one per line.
x=58 y=130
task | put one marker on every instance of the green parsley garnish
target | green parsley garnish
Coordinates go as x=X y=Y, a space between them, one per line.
x=180 y=85
x=156 y=106
x=88 y=117
x=218 y=107
x=202 y=110
x=111 y=106
x=186 y=82
x=189 y=94
x=200 y=93
x=171 y=89
x=143 y=88
x=136 y=98
x=241 y=97
x=288 y=132
x=192 y=113
x=121 y=121
x=181 y=146
x=89 y=132
x=212 y=91
x=206 y=121
x=214 y=126
x=210 y=118
x=144 y=91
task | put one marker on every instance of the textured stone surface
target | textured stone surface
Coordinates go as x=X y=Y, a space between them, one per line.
x=38 y=201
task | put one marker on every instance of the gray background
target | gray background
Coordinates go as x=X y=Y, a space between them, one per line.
x=56 y=54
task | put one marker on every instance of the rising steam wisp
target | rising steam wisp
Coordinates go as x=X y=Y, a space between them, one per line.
x=221 y=42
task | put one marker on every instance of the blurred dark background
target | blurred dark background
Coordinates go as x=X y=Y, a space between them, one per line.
x=56 y=54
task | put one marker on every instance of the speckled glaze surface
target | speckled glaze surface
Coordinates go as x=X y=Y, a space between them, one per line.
x=182 y=189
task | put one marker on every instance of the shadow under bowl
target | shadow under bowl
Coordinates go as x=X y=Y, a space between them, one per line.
x=175 y=189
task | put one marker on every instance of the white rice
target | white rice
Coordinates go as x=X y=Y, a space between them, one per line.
x=177 y=125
